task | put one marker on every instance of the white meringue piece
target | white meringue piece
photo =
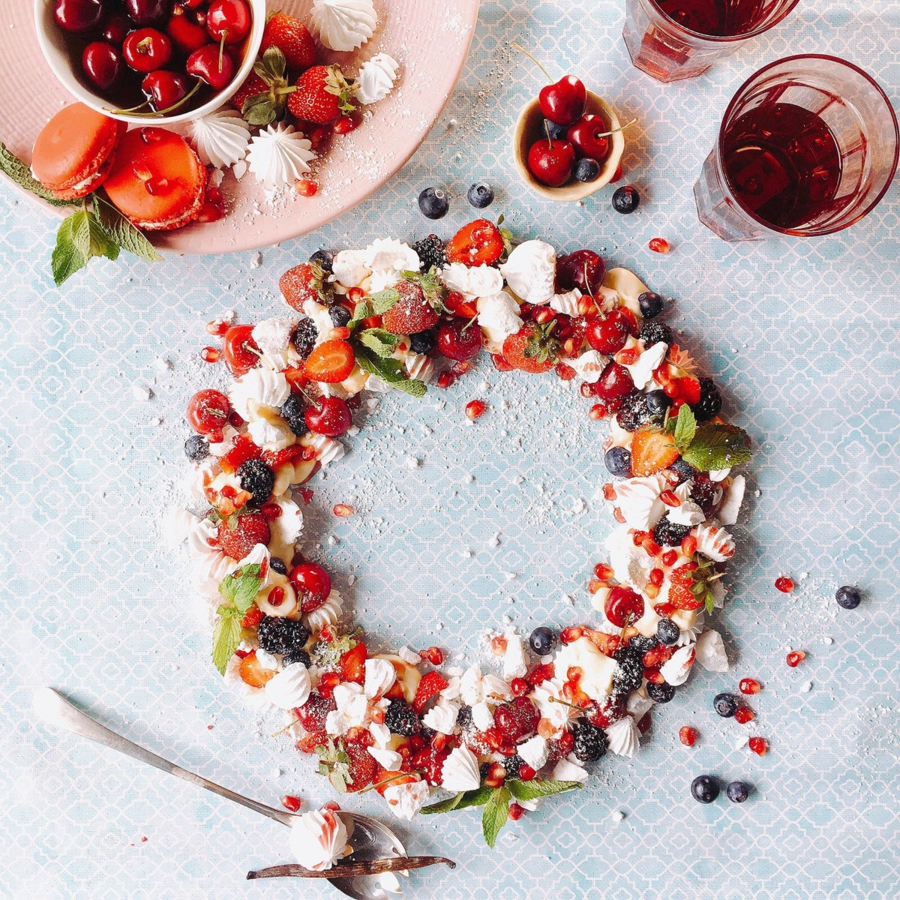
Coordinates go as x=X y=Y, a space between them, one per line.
x=731 y=504
x=442 y=716
x=349 y=268
x=343 y=24
x=589 y=366
x=268 y=429
x=285 y=530
x=498 y=317
x=676 y=670
x=638 y=499
x=379 y=677
x=290 y=687
x=719 y=474
x=203 y=538
x=387 y=759
x=710 y=650
x=352 y=709
x=390 y=255
x=569 y=770
x=482 y=716
x=646 y=364
x=220 y=138
x=638 y=705
x=688 y=513
x=382 y=735
x=472 y=281
x=623 y=737
x=630 y=564
x=279 y=155
x=461 y=771
x=530 y=272
x=405 y=800
x=318 y=839
x=376 y=78
x=419 y=367
x=691 y=623
x=263 y=387
x=470 y=686
x=327 y=614
x=535 y=752
x=273 y=337
x=514 y=663
x=597 y=669
x=567 y=303
x=266 y=660
x=714 y=542
x=328 y=450
x=557 y=714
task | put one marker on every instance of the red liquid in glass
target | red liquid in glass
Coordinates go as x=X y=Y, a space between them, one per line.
x=717 y=18
x=782 y=163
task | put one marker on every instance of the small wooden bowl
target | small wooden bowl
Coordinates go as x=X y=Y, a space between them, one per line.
x=529 y=127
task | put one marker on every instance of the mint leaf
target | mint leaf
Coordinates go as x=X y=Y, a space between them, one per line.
x=531 y=790
x=710 y=603
x=496 y=812
x=226 y=638
x=384 y=300
x=380 y=341
x=717 y=446
x=123 y=233
x=68 y=256
x=390 y=371
x=240 y=588
x=362 y=311
x=466 y=800
x=20 y=173
x=685 y=427
x=444 y=806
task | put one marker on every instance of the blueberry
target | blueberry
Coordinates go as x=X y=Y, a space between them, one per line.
x=277 y=565
x=422 y=342
x=325 y=258
x=556 y=132
x=725 y=705
x=667 y=632
x=196 y=448
x=651 y=304
x=704 y=789
x=542 y=641
x=340 y=315
x=658 y=402
x=626 y=199
x=848 y=597
x=660 y=693
x=618 y=461
x=434 y=203
x=738 y=791
x=683 y=469
x=587 y=169
x=480 y=195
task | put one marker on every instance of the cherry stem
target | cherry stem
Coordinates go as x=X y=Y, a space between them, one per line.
x=521 y=49
x=286 y=727
x=222 y=49
x=547 y=132
x=563 y=703
x=168 y=109
x=620 y=128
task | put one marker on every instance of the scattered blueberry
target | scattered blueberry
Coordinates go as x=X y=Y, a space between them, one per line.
x=277 y=565
x=667 y=632
x=340 y=315
x=658 y=402
x=480 y=195
x=704 y=789
x=618 y=461
x=847 y=597
x=556 y=132
x=196 y=448
x=738 y=791
x=725 y=705
x=587 y=169
x=542 y=641
x=325 y=258
x=660 y=693
x=626 y=199
x=434 y=203
x=422 y=342
x=651 y=304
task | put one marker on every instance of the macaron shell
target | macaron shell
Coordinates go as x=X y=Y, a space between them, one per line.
x=73 y=149
x=157 y=180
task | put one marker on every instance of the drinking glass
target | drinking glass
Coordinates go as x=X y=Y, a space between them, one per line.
x=808 y=146
x=676 y=39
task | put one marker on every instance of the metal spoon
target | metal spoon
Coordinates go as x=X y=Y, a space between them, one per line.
x=371 y=839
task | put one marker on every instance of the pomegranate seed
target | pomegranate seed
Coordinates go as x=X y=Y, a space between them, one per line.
x=603 y=571
x=544 y=315
x=475 y=409
x=519 y=686
x=292 y=804
x=210 y=355
x=229 y=491
x=332 y=805
x=597 y=412
x=689 y=545
x=644 y=724
x=670 y=499
x=628 y=357
x=308 y=454
x=651 y=547
x=619 y=516
x=750 y=686
x=609 y=491
x=758 y=745
x=235 y=420
x=526 y=773
x=795 y=657
x=276 y=596
x=355 y=294
x=340 y=334
x=445 y=379
x=595 y=585
x=516 y=812
x=784 y=584
x=654 y=676
x=345 y=124
x=540 y=674
x=271 y=511
x=670 y=557
x=343 y=511
x=652 y=591
x=657 y=576
x=377 y=715
x=307 y=496
x=434 y=655
x=217 y=327
x=659 y=245
x=571 y=633
x=743 y=715
x=566 y=373
x=498 y=645
x=305 y=188
x=687 y=735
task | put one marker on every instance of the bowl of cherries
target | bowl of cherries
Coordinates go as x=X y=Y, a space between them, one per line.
x=567 y=143
x=156 y=60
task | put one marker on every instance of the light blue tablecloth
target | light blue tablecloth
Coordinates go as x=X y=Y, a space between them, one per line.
x=803 y=338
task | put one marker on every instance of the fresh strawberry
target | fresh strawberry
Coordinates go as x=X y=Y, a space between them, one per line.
x=532 y=348
x=238 y=535
x=430 y=686
x=652 y=451
x=412 y=313
x=252 y=86
x=322 y=95
x=307 y=281
x=681 y=590
x=385 y=779
x=314 y=712
x=353 y=664
x=243 y=449
x=253 y=673
x=362 y=767
x=275 y=459
x=331 y=362
x=292 y=38
x=479 y=243
x=310 y=742
x=262 y=98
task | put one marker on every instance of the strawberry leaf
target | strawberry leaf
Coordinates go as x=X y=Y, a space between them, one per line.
x=260 y=109
x=226 y=638
x=531 y=790
x=496 y=812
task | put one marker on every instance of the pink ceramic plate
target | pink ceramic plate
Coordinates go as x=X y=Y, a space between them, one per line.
x=430 y=45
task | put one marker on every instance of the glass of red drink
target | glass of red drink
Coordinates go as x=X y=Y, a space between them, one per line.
x=676 y=39
x=808 y=146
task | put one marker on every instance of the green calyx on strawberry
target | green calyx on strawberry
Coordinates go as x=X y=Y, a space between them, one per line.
x=269 y=105
x=533 y=348
x=692 y=584
x=328 y=651
x=334 y=764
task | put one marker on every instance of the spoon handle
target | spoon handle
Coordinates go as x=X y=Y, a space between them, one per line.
x=54 y=709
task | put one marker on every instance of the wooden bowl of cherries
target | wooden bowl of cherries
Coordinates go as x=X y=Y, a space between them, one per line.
x=568 y=143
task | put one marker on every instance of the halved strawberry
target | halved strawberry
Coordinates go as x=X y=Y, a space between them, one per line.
x=308 y=281
x=681 y=590
x=353 y=664
x=430 y=686
x=244 y=448
x=532 y=348
x=412 y=313
x=477 y=244
x=652 y=451
x=457 y=304
x=362 y=767
x=314 y=712
x=253 y=673
x=331 y=362
x=240 y=534
x=309 y=742
x=385 y=778
x=275 y=459
x=430 y=762
x=292 y=38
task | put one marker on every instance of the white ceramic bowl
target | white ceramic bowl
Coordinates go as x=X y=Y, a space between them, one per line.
x=64 y=67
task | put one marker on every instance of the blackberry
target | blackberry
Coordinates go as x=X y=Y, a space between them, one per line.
x=668 y=534
x=618 y=462
x=402 y=719
x=683 y=469
x=464 y=717
x=634 y=412
x=296 y=656
x=484 y=770
x=704 y=789
x=512 y=764
x=655 y=333
x=430 y=251
x=422 y=342
x=630 y=671
x=257 y=479
x=707 y=494
x=325 y=259
x=340 y=315
x=277 y=565
x=848 y=597
x=667 y=632
x=651 y=304
x=725 y=705
x=710 y=403
x=279 y=635
x=294 y=413
x=542 y=641
x=427 y=734
x=642 y=643
x=196 y=448
x=590 y=741
x=304 y=337
x=660 y=693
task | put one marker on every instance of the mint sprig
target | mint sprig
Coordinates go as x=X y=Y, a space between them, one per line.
x=11 y=165
x=532 y=790
x=463 y=800
x=683 y=427
x=379 y=341
x=496 y=813
x=390 y=371
x=710 y=446
x=239 y=590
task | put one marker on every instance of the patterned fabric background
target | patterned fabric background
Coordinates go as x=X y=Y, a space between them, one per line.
x=803 y=338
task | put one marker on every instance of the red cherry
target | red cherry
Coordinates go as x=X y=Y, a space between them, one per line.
x=615 y=383
x=517 y=719
x=165 y=89
x=604 y=715
x=148 y=12
x=330 y=418
x=147 y=49
x=551 y=161
x=312 y=583
x=77 y=15
x=228 y=21
x=102 y=64
x=623 y=606
x=114 y=30
x=590 y=136
x=457 y=342
x=238 y=348
x=207 y=411
x=563 y=101
x=582 y=269
x=187 y=34
x=608 y=332
x=212 y=66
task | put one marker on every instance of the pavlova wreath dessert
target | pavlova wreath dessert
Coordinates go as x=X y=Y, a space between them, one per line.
x=502 y=734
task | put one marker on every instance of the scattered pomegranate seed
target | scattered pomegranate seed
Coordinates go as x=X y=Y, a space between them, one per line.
x=276 y=596
x=544 y=315
x=795 y=657
x=377 y=715
x=743 y=715
x=670 y=557
x=597 y=412
x=758 y=745
x=475 y=409
x=609 y=491
x=657 y=576
x=687 y=735
x=271 y=511
x=498 y=645
x=332 y=805
x=290 y=803
x=670 y=498
x=603 y=571
x=217 y=327
x=750 y=686
x=651 y=547
x=628 y=357
x=659 y=245
x=342 y=510
x=516 y=812
x=617 y=176
x=355 y=294
x=785 y=584
x=345 y=124
x=571 y=633
x=445 y=379
x=519 y=687
x=434 y=655
x=305 y=188
x=210 y=355
x=645 y=723
x=619 y=516
x=566 y=373
x=689 y=545
x=235 y=420
x=526 y=773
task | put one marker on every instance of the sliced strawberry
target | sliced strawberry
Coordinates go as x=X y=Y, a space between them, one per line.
x=275 y=459
x=681 y=593
x=652 y=451
x=362 y=767
x=477 y=244
x=308 y=281
x=353 y=664
x=385 y=778
x=331 y=362
x=253 y=673
x=430 y=686
x=248 y=530
x=457 y=304
x=292 y=38
x=309 y=742
x=412 y=313
x=244 y=448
